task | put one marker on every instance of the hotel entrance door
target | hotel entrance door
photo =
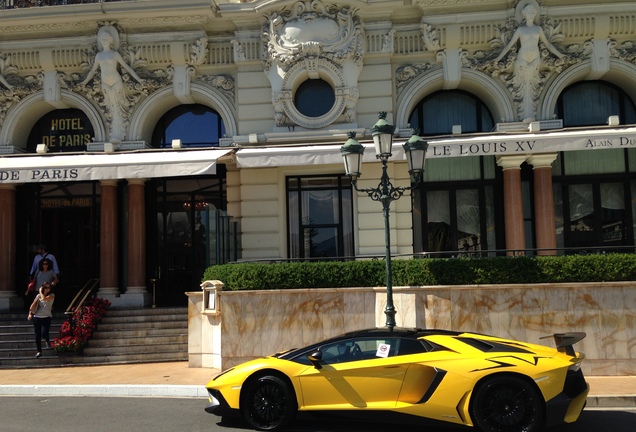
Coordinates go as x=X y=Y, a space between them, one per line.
x=69 y=228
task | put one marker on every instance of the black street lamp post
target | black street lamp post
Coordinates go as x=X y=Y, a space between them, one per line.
x=415 y=149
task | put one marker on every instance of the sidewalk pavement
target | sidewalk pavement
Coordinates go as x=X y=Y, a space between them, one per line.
x=176 y=379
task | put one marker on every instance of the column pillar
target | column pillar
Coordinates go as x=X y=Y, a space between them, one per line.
x=8 y=298
x=136 y=293
x=108 y=276
x=513 y=203
x=545 y=223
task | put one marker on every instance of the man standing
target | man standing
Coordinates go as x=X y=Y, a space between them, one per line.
x=42 y=253
x=35 y=268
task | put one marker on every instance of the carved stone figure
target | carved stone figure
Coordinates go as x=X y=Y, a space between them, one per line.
x=526 y=78
x=3 y=81
x=108 y=60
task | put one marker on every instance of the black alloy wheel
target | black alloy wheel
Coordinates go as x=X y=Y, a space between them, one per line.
x=268 y=403
x=507 y=404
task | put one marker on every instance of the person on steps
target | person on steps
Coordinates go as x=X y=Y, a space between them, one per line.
x=41 y=313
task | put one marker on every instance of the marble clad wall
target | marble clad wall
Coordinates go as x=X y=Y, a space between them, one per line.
x=255 y=323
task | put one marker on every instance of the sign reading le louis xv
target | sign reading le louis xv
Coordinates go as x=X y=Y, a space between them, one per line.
x=499 y=145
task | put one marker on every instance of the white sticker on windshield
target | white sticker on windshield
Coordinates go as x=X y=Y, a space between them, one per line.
x=383 y=350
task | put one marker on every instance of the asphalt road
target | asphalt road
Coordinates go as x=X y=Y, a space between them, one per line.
x=107 y=414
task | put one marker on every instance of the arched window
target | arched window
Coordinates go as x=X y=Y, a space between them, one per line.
x=437 y=113
x=195 y=125
x=590 y=103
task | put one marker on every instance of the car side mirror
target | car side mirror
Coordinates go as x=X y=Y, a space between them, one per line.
x=315 y=358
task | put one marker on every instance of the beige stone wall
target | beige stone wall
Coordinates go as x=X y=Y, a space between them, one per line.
x=260 y=213
x=370 y=218
x=256 y=323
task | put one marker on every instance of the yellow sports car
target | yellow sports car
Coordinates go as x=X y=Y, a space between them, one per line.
x=470 y=379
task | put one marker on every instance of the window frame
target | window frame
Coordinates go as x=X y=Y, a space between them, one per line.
x=343 y=184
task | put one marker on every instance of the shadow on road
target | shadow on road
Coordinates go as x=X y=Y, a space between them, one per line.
x=595 y=420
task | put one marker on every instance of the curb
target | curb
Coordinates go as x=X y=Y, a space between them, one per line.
x=618 y=401
x=111 y=390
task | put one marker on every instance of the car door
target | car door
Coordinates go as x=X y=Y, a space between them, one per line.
x=360 y=373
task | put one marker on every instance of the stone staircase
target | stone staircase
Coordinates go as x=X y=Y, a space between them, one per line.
x=17 y=341
x=123 y=336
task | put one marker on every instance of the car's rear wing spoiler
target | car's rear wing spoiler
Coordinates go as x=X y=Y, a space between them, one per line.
x=565 y=341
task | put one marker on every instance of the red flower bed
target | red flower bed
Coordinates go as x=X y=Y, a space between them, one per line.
x=75 y=333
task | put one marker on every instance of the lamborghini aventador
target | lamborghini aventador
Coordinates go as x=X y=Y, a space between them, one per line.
x=490 y=383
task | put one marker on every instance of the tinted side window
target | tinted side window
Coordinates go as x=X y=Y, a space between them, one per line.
x=412 y=346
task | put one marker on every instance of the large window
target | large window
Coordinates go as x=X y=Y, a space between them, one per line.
x=459 y=219
x=594 y=215
x=190 y=227
x=439 y=112
x=195 y=125
x=591 y=104
x=319 y=217
x=593 y=189
x=454 y=206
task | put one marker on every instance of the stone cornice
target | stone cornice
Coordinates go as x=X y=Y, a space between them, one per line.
x=428 y=3
x=169 y=20
x=61 y=26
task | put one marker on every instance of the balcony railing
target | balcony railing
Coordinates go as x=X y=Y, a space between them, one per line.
x=17 y=4
x=627 y=249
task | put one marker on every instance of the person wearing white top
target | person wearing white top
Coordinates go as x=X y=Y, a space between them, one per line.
x=41 y=313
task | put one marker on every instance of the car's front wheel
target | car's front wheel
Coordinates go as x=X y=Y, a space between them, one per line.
x=507 y=404
x=268 y=403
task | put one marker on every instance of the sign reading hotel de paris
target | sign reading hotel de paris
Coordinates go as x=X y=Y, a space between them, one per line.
x=62 y=131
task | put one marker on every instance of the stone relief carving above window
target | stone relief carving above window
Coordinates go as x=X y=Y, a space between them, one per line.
x=529 y=64
x=125 y=79
x=14 y=88
x=405 y=74
x=626 y=51
x=524 y=55
x=313 y=40
x=199 y=51
x=223 y=83
x=530 y=56
x=311 y=28
x=116 y=92
x=430 y=37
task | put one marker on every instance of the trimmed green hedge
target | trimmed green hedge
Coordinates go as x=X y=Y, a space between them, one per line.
x=415 y=272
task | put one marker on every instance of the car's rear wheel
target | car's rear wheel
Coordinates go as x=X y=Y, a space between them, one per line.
x=268 y=403
x=507 y=404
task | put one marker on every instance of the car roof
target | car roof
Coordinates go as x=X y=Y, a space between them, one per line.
x=378 y=332
x=397 y=331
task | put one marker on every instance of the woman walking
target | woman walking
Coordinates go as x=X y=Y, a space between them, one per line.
x=41 y=313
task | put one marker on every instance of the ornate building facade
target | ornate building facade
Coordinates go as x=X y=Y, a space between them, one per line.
x=132 y=133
